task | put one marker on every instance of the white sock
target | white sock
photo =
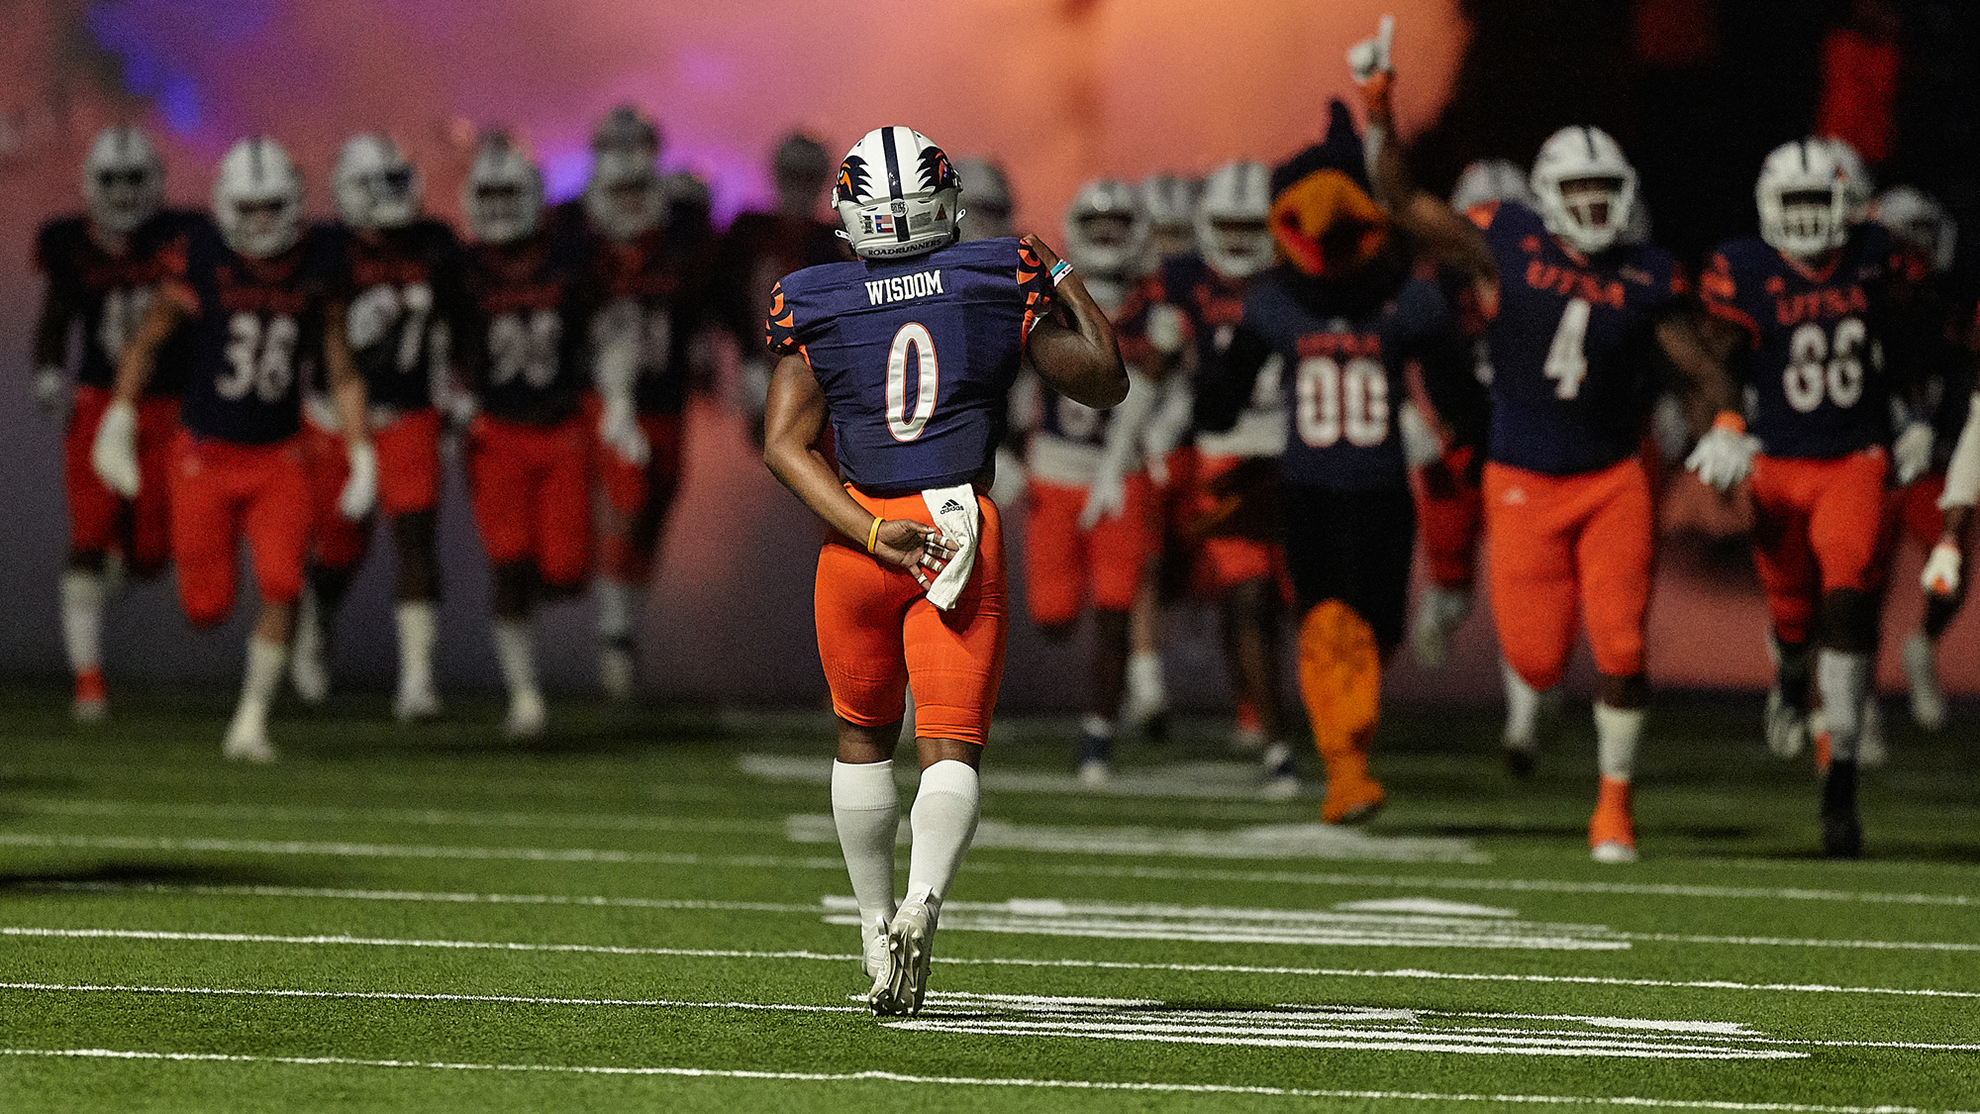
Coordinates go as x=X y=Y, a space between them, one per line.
x=1096 y=725
x=83 y=595
x=265 y=661
x=866 y=808
x=944 y=821
x=419 y=625
x=619 y=606
x=1844 y=681
x=1144 y=680
x=515 y=650
x=1522 y=705
x=1616 y=733
x=309 y=626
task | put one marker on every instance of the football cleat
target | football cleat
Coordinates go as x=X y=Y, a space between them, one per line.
x=1520 y=755
x=1787 y=725
x=247 y=740
x=616 y=671
x=527 y=717
x=1842 y=829
x=92 y=700
x=910 y=937
x=1928 y=704
x=875 y=959
x=1096 y=754
x=1611 y=830
x=416 y=705
x=1281 y=776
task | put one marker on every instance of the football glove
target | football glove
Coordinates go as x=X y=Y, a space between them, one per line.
x=1370 y=56
x=1106 y=498
x=360 y=492
x=1165 y=328
x=51 y=391
x=114 y=452
x=1941 y=575
x=1725 y=454
x=1912 y=452
x=618 y=428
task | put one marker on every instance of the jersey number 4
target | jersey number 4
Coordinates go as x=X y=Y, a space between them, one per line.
x=1567 y=357
x=1338 y=401
x=1817 y=368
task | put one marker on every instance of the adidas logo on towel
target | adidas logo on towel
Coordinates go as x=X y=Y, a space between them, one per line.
x=950 y=507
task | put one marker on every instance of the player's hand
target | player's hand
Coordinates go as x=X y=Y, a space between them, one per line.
x=51 y=391
x=1420 y=443
x=915 y=546
x=1165 y=328
x=1912 y=452
x=360 y=492
x=114 y=452
x=1725 y=454
x=1106 y=498
x=618 y=428
x=1369 y=58
x=1941 y=575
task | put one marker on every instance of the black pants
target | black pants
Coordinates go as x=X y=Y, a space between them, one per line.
x=1352 y=546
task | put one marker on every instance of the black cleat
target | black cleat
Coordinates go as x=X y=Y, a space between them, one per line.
x=1842 y=830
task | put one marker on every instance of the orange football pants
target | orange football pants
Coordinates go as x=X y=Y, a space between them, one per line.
x=1817 y=528
x=532 y=496
x=408 y=481
x=220 y=491
x=1061 y=560
x=96 y=514
x=1559 y=541
x=877 y=632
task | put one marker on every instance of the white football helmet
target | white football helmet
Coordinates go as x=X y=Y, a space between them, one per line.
x=1492 y=180
x=503 y=194
x=1803 y=195
x=1105 y=227
x=626 y=127
x=986 y=200
x=1585 y=188
x=257 y=198
x=897 y=195
x=375 y=184
x=1920 y=222
x=623 y=197
x=1231 y=228
x=122 y=179
x=1858 y=187
x=1170 y=202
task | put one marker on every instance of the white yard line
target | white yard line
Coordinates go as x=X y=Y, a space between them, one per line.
x=30 y=932
x=1631 y=1102
x=425 y=817
x=978 y=866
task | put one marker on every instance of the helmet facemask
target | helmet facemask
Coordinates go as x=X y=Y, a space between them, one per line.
x=123 y=181
x=1804 y=199
x=1106 y=228
x=624 y=197
x=1232 y=219
x=257 y=199
x=1585 y=189
x=503 y=194
x=376 y=186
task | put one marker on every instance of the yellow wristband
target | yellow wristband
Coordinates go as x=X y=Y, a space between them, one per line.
x=873 y=534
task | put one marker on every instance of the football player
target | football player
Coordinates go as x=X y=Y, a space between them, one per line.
x=258 y=304
x=1572 y=308
x=1089 y=513
x=646 y=271
x=1923 y=226
x=1803 y=307
x=909 y=354
x=399 y=275
x=1336 y=325
x=1449 y=502
x=1180 y=320
x=988 y=214
x=521 y=349
x=761 y=247
x=103 y=268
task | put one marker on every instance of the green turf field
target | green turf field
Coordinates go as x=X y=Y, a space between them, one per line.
x=648 y=912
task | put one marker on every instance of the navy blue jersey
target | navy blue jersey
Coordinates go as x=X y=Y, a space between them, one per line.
x=1571 y=344
x=658 y=273
x=1343 y=376
x=522 y=342
x=915 y=356
x=105 y=295
x=1816 y=365
x=401 y=287
x=255 y=335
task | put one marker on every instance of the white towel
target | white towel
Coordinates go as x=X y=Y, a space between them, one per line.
x=961 y=521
